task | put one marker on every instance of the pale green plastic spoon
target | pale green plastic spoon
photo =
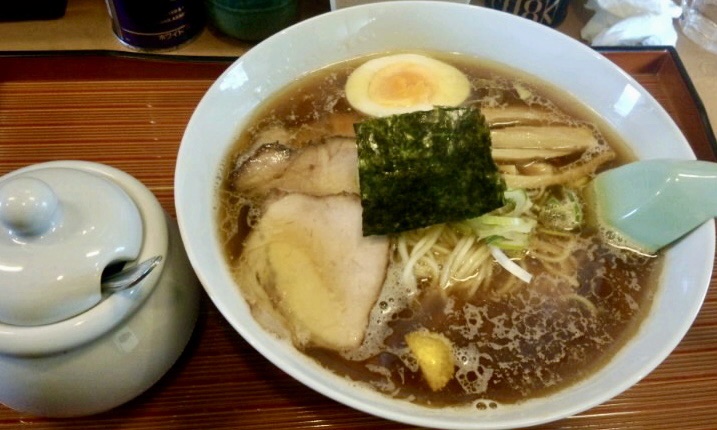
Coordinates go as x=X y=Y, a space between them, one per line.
x=652 y=203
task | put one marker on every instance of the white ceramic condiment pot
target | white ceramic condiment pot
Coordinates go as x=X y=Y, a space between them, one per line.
x=67 y=348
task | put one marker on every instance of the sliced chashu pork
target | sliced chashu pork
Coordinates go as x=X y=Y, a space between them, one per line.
x=308 y=257
x=317 y=169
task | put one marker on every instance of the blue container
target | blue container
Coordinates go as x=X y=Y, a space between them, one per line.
x=156 y=24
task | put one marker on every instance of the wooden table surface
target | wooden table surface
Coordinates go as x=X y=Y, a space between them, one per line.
x=130 y=112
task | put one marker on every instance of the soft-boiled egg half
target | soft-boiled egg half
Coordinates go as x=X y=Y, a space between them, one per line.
x=403 y=83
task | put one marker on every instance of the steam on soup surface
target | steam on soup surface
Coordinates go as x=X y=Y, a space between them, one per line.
x=435 y=315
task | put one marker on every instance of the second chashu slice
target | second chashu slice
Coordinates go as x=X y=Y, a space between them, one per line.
x=322 y=274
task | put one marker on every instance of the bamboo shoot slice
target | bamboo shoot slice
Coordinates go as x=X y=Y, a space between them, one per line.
x=573 y=139
x=575 y=171
x=510 y=154
x=516 y=115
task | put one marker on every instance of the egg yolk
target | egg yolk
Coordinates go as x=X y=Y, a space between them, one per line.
x=402 y=85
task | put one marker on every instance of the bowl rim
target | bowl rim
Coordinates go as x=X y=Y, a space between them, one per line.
x=305 y=370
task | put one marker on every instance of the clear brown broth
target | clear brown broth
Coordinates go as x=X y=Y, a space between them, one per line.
x=534 y=341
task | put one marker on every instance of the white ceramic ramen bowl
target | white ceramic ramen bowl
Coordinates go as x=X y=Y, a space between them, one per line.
x=438 y=26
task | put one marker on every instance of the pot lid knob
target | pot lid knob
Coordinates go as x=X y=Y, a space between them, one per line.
x=28 y=206
x=60 y=228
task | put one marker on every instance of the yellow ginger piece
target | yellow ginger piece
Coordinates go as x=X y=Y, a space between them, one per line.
x=434 y=354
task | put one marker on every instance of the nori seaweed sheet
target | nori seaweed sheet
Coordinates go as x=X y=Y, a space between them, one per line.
x=424 y=168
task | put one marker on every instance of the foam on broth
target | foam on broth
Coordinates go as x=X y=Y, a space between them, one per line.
x=518 y=346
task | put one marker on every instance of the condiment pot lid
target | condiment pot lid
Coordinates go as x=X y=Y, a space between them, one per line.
x=60 y=228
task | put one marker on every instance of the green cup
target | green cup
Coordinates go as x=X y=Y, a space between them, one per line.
x=251 y=20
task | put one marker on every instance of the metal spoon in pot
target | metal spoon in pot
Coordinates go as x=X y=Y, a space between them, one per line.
x=652 y=203
x=129 y=276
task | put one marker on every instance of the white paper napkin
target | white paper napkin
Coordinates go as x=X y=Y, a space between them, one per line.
x=631 y=22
